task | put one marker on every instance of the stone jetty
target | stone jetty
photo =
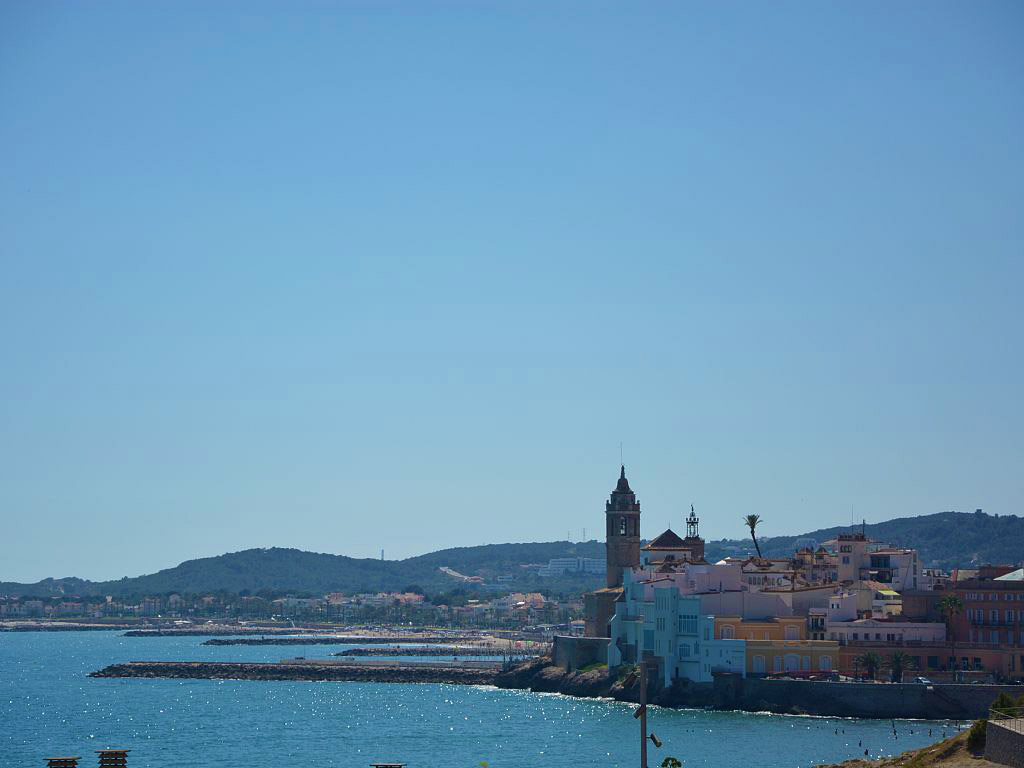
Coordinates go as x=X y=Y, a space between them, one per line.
x=333 y=671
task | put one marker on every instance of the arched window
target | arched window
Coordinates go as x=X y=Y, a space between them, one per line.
x=792 y=662
x=825 y=663
x=622 y=526
x=792 y=633
x=758 y=664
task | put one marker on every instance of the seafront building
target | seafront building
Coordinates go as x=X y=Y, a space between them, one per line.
x=815 y=613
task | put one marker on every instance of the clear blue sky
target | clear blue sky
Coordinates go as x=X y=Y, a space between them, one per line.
x=352 y=275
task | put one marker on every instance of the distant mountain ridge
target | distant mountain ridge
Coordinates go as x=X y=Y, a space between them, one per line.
x=945 y=540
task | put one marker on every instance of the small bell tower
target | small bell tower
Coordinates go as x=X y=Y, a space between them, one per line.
x=693 y=539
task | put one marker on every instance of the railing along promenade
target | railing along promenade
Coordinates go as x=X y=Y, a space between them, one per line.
x=1008 y=717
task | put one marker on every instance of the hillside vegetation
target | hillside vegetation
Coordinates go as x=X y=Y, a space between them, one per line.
x=945 y=540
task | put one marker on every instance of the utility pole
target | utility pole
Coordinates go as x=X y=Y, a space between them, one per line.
x=643 y=714
x=641 y=711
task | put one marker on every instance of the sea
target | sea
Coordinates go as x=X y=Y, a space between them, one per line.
x=50 y=707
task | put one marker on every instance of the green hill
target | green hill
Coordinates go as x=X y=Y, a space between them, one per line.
x=945 y=540
x=292 y=570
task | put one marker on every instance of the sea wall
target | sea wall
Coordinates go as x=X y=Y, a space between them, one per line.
x=1004 y=745
x=811 y=697
x=572 y=653
x=850 y=699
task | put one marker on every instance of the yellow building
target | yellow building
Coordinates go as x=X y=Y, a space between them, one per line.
x=769 y=656
x=775 y=628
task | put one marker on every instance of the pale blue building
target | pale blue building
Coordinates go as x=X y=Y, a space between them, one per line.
x=655 y=620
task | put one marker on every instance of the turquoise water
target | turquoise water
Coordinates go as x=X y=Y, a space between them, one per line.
x=49 y=707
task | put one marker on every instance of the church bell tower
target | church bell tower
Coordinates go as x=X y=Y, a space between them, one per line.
x=622 y=533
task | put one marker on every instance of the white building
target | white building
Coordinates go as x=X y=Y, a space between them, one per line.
x=656 y=620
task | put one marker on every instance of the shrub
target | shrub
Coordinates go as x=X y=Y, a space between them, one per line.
x=976 y=736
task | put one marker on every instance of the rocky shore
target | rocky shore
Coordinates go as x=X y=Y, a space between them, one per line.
x=331 y=671
x=951 y=753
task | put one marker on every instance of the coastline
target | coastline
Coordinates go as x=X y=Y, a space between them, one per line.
x=785 y=697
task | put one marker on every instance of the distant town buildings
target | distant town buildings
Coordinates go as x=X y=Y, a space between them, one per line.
x=560 y=566
x=817 y=612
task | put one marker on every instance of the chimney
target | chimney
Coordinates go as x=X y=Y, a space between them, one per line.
x=62 y=762
x=114 y=758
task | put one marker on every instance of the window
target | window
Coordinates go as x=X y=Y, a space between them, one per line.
x=660 y=625
x=846 y=560
x=684 y=650
x=777 y=664
x=727 y=632
x=622 y=526
x=707 y=633
x=1009 y=617
x=758 y=665
x=648 y=639
x=688 y=625
x=994 y=616
x=792 y=633
x=825 y=663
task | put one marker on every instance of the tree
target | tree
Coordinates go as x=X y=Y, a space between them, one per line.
x=899 y=663
x=752 y=522
x=871 y=662
x=951 y=606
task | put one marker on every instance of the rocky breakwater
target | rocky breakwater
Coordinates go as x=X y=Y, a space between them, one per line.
x=293 y=670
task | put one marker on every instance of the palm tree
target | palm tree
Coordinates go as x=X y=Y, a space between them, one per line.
x=950 y=606
x=871 y=661
x=751 y=522
x=899 y=663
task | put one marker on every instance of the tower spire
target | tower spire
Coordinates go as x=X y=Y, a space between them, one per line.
x=622 y=542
